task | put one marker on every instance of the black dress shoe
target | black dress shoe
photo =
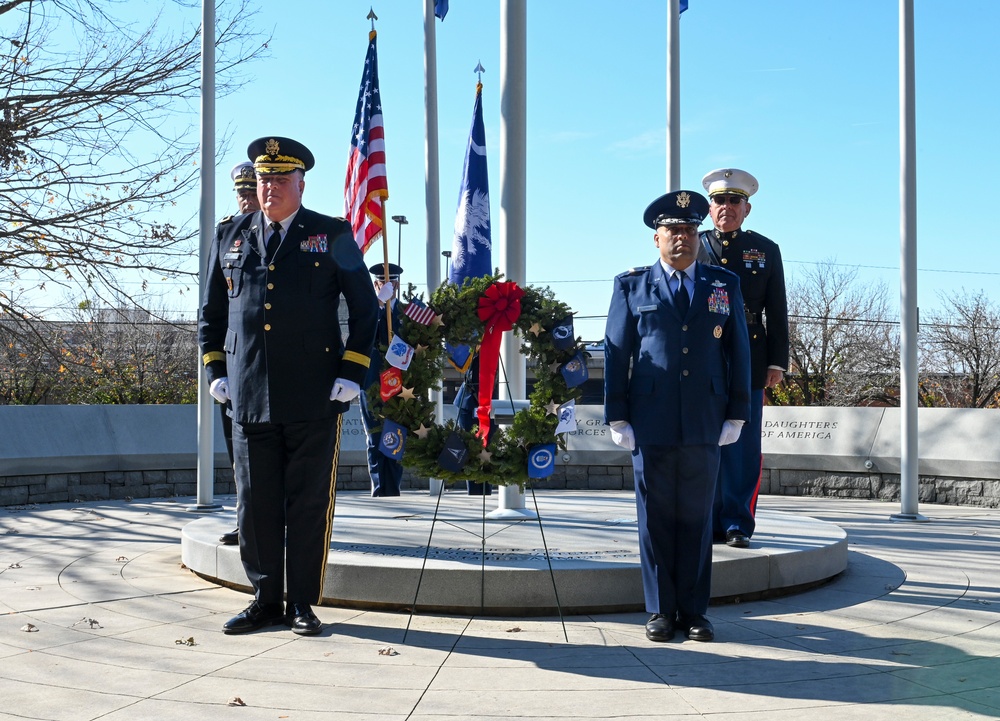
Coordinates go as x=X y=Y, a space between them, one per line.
x=231 y=538
x=257 y=615
x=302 y=619
x=737 y=538
x=659 y=628
x=697 y=628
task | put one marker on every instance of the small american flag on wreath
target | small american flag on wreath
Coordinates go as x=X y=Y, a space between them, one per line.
x=419 y=312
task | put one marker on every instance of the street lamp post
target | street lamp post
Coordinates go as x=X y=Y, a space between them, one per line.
x=401 y=219
x=447 y=264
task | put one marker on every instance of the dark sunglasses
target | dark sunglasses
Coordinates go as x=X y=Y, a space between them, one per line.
x=732 y=199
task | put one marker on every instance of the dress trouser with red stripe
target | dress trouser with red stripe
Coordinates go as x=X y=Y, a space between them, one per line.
x=739 y=475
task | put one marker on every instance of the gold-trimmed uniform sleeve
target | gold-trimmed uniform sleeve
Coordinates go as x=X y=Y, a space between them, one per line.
x=213 y=356
x=214 y=314
x=353 y=357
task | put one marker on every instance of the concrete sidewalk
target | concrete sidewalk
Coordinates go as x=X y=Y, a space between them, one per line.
x=98 y=620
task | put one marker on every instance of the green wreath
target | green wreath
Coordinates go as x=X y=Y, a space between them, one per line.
x=504 y=461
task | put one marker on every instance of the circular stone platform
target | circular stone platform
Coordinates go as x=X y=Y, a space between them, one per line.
x=498 y=567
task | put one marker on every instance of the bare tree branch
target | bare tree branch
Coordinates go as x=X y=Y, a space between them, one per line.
x=961 y=347
x=98 y=143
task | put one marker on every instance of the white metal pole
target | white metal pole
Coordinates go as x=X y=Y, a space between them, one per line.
x=431 y=180
x=206 y=218
x=513 y=202
x=673 y=96
x=909 y=462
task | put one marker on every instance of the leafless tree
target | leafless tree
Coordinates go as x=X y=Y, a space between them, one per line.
x=961 y=351
x=98 y=138
x=29 y=371
x=127 y=355
x=844 y=343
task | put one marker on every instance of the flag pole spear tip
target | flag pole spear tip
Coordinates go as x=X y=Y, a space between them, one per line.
x=479 y=69
x=372 y=16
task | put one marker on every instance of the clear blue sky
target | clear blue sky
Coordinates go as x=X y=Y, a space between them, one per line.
x=803 y=95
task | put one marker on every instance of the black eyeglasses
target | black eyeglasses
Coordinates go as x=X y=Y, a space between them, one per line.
x=723 y=199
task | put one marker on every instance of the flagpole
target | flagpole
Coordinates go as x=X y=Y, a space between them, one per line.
x=513 y=204
x=205 y=483
x=513 y=172
x=673 y=96
x=432 y=198
x=432 y=194
x=385 y=274
x=909 y=471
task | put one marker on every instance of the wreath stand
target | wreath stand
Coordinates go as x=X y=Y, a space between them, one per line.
x=510 y=508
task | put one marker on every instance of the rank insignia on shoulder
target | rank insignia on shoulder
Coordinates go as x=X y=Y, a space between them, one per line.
x=637 y=271
x=227 y=219
x=314 y=244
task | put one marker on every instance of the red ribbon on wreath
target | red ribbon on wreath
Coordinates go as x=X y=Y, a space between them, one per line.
x=499 y=308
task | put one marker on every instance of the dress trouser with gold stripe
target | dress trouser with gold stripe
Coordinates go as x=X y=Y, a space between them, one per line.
x=285 y=489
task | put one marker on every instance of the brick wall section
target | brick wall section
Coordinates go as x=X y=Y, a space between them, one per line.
x=116 y=485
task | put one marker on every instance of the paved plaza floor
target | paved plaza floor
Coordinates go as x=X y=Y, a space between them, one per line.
x=100 y=620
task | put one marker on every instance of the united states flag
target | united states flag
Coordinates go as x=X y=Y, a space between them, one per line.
x=366 y=187
x=419 y=312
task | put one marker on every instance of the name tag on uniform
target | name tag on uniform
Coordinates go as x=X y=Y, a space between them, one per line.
x=646 y=308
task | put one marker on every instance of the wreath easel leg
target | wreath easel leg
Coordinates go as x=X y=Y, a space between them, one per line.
x=423 y=565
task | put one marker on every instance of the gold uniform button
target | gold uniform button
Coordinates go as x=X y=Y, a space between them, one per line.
x=270 y=286
x=267 y=326
x=684 y=350
x=316 y=264
x=684 y=327
x=271 y=267
x=725 y=260
x=327 y=349
x=684 y=372
x=725 y=243
x=267 y=306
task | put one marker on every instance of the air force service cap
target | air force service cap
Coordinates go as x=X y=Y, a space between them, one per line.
x=681 y=207
x=730 y=180
x=275 y=155
x=243 y=176
x=378 y=270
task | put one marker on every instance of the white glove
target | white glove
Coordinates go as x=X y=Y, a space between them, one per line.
x=730 y=432
x=219 y=388
x=344 y=390
x=385 y=292
x=623 y=435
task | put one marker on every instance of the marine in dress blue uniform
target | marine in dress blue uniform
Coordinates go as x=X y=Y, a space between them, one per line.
x=271 y=344
x=677 y=383
x=386 y=473
x=757 y=262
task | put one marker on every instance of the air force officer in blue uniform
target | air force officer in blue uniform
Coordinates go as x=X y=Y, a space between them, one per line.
x=677 y=387
x=270 y=337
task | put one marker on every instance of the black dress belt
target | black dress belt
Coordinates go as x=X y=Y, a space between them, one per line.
x=752 y=318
